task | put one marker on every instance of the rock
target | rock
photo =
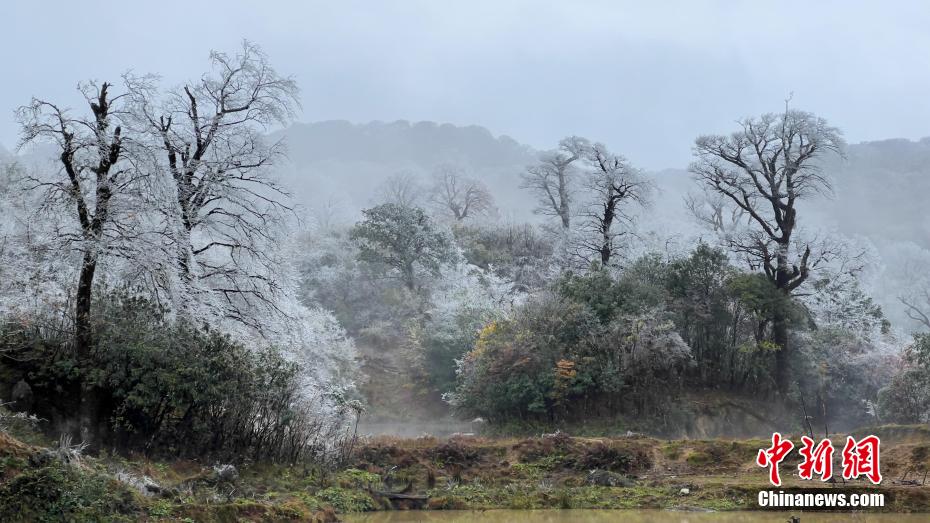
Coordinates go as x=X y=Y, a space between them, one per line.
x=684 y=492
x=605 y=478
x=224 y=474
x=142 y=484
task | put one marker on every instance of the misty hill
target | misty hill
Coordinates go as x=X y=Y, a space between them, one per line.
x=879 y=191
x=345 y=162
x=421 y=143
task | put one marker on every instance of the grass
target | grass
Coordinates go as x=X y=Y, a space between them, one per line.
x=457 y=473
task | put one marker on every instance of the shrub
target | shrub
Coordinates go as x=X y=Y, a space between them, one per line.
x=906 y=399
x=60 y=492
x=173 y=388
x=556 y=359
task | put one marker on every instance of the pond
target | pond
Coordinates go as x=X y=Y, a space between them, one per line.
x=631 y=516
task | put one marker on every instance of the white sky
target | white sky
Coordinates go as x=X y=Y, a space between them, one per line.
x=643 y=77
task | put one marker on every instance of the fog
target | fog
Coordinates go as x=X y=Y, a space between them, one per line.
x=647 y=77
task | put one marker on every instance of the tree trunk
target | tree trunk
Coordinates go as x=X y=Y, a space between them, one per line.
x=409 y=276
x=181 y=295
x=89 y=403
x=82 y=329
x=564 y=212
x=606 y=223
x=780 y=321
x=782 y=355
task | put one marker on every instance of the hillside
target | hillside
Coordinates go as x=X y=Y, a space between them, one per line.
x=342 y=162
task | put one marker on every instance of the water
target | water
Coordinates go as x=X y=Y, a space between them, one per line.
x=631 y=516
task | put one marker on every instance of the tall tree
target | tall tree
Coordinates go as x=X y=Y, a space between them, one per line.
x=403 y=240
x=211 y=137
x=711 y=209
x=917 y=305
x=402 y=188
x=96 y=174
x=459 y=196
x=614 y=185
x=765 y=168
x=552 y=179
x=94 y=171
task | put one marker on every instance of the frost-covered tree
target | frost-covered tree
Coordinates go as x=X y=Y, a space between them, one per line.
x=165 y=199
x=552 y=180
x=712 y=210
x=403 y=188
x=226 y=211
x=96 y=180
x=764 y=169
x=403 y=240
x=464 y=299
x=97 y=173
x=916 y=300
x=614 y=188
x=459 y=196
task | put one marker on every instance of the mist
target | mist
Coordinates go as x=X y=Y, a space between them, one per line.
x=648 y=77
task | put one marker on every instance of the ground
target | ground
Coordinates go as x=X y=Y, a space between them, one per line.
x=551 y=471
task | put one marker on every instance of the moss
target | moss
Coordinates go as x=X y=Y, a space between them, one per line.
x=699 y=458
x=671 y=450
x=347 y=500
x=355 y=478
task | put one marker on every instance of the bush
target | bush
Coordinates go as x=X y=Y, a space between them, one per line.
x=171 y=388
x=907 y=398
x=605 y=457
x=839 y=375
x=556 y=359
x=60 y=492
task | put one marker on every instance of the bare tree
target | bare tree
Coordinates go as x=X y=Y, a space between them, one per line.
x=764 y=169
x=614 y=184
x=402 y=188
x=917 y=307
x=96 y=173
x=210 y=134
x=711 y=209
x=458 y=195
x=916 y=300
x=552 y=179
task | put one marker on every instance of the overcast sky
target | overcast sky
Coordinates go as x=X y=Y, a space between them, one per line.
x=643 y=77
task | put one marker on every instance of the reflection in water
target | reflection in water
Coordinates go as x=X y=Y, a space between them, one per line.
x=632 y=516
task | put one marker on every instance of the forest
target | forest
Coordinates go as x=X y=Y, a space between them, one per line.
x=187 y=272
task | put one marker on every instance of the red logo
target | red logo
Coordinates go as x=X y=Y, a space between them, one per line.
x=819 y=459
x=860 y=458
x=774 y=455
